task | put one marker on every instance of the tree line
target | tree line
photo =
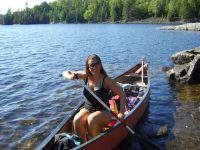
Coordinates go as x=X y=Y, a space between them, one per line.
x=82 y=11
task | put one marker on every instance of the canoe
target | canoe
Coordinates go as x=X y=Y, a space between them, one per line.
x=109 y=139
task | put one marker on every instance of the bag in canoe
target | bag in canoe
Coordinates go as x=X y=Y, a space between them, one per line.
x=66 y=141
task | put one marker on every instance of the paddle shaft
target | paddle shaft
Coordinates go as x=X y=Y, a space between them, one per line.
x=142 y=71
x=104 y=105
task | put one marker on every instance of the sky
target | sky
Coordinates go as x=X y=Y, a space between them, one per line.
x=15 y=5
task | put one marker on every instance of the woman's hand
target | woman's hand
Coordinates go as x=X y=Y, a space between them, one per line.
x=70 y=75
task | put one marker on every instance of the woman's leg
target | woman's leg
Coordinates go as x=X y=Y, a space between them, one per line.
x=96 y=121
x=80 y=123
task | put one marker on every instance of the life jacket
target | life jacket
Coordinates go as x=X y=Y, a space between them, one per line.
x=114 y=106
x=114 y=101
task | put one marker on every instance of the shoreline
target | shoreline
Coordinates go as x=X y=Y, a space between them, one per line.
x=150 y=20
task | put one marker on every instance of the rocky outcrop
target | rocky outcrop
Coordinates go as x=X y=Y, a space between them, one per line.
x=187 y=66
x=188 y=27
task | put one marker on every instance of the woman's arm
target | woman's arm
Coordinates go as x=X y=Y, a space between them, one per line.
x=72 y=75
x=112 y=85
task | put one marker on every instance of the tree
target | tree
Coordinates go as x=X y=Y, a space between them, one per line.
x=172 y=9
x=17 y=17
x=126 y=10
x=116 y=7
x=1 y=19
x=45 y=9
x=8 y=18
x=27 y=16
x=103 y=10
x=91 y=12
x=185 y=11
x=156 y=8
x=130 y=11
x=142 y=8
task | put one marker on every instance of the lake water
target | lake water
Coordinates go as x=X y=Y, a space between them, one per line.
x=34 y=98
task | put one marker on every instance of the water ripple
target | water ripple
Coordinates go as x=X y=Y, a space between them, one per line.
x=34 y=98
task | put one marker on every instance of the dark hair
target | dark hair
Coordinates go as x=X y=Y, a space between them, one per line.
x=90 y=57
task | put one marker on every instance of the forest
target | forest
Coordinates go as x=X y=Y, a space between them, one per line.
x=104 y=11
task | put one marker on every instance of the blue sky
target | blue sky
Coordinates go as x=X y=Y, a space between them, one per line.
x=15 y=5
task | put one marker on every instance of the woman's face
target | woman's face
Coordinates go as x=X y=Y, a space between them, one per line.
x=94 y=66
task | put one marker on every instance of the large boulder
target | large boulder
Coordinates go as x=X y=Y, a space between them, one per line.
x=187 y=66
x=194 y=71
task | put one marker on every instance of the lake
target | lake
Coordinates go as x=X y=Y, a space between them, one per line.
x=34 y=98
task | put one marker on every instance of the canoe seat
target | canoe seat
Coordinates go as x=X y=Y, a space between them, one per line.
x=136 y=75
x=139 y=70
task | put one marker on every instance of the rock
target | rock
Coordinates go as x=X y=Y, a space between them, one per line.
x=182 y=57
x=157 y=131
x=187 y=66
x=187 y=27
x=193 y=26
x=195 y=115
x=171 y=74
x=181 y=70
x=168 y=28
x=194 y=71
x=179 y=73
x=196 y=50
x=162 y=131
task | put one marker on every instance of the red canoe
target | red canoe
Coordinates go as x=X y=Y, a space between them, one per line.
x=111 y=138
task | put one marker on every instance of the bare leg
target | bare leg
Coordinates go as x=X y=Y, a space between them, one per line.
x=96 y=121
x=80 y=123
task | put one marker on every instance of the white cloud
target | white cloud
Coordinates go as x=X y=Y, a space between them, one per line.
x=15 y=5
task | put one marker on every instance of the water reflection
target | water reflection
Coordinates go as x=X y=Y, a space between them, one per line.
x=188 y=92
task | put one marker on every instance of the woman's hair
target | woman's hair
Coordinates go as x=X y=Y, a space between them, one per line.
x=90 y=57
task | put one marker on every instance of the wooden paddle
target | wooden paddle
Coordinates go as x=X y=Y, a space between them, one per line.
x=145 y=144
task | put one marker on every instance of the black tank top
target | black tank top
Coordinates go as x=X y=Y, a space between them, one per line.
x=91 y=103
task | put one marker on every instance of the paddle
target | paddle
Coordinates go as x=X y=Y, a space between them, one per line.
x=142 y=75
x=145 y=144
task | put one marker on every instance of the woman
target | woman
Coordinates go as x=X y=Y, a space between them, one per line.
x=93 y=116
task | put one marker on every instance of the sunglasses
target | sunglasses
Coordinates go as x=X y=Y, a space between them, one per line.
x=94 y=64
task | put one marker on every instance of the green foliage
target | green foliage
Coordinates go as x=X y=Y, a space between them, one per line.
x=8 y=18
x=103 y=10
x=97 y=11
x=81 y=11
x=116 y=7
x=172 y=9
x=1 y=19
x=90 y=13
x=184 y=11
x=130 y=11
x=156 y=8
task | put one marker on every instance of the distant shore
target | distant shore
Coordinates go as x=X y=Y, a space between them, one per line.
x=157 y=20
x=150 y=20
